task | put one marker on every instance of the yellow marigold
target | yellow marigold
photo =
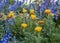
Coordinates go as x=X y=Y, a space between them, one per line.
x=33 y=17
x=31 y=11
x=11 y=14
x=24 y=10
x=38 y=29
x=47 y=11
x=41 y=21
x=24 y=25
x=20 y=14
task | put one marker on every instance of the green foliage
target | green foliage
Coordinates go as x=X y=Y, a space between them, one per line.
x=58 y=20
x=11 y=2
x=2 y=30
x=49 y=33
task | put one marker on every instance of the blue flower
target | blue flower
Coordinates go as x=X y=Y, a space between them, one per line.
x=10 y=22
x=41 y=8
x=7 y=30
x=15 y=3
x=20 y=4
x=12 y=7
x=8 y=42
x=6 y=2
x=31 y=4
x=22 y=1
x=46 y=2
x=1 y=4
x=14 y=38
x=6 y=36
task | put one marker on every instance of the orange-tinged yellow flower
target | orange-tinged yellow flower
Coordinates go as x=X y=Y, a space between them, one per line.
x=24 y=25
x=24 y=10
x=38 y=29
x=8 y=16
x=41 y=21
x=33 y=17
x=47 y=11
x=31 y=11
x=20 y=14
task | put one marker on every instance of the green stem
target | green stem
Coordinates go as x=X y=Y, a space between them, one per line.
x=38 y=38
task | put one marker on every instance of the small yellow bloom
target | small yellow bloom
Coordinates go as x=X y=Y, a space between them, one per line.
x=41 y=21
x=24 y=25
x=11 y=14
x=24 y=10
x=31 y=11
x=38 y=29
x=11 y=11
x=47 y=11
x=52 y=15
x=33 y=17
x=20 y=14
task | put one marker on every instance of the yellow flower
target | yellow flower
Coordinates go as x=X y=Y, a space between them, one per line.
x=11 y=11
x=20 y=14
x=47 y=11
x=11 y=14
x=31 y=11
x=32 y=14
x=24 y=10
x=52 y=15
x=24 y=25
x=38 y=29
x=33 y=17
x=41 y=21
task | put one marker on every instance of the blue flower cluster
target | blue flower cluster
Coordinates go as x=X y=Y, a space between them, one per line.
x=11 y=7
x=10 y=21
x=52 y=6
x=1 y=4
x=6 y=37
